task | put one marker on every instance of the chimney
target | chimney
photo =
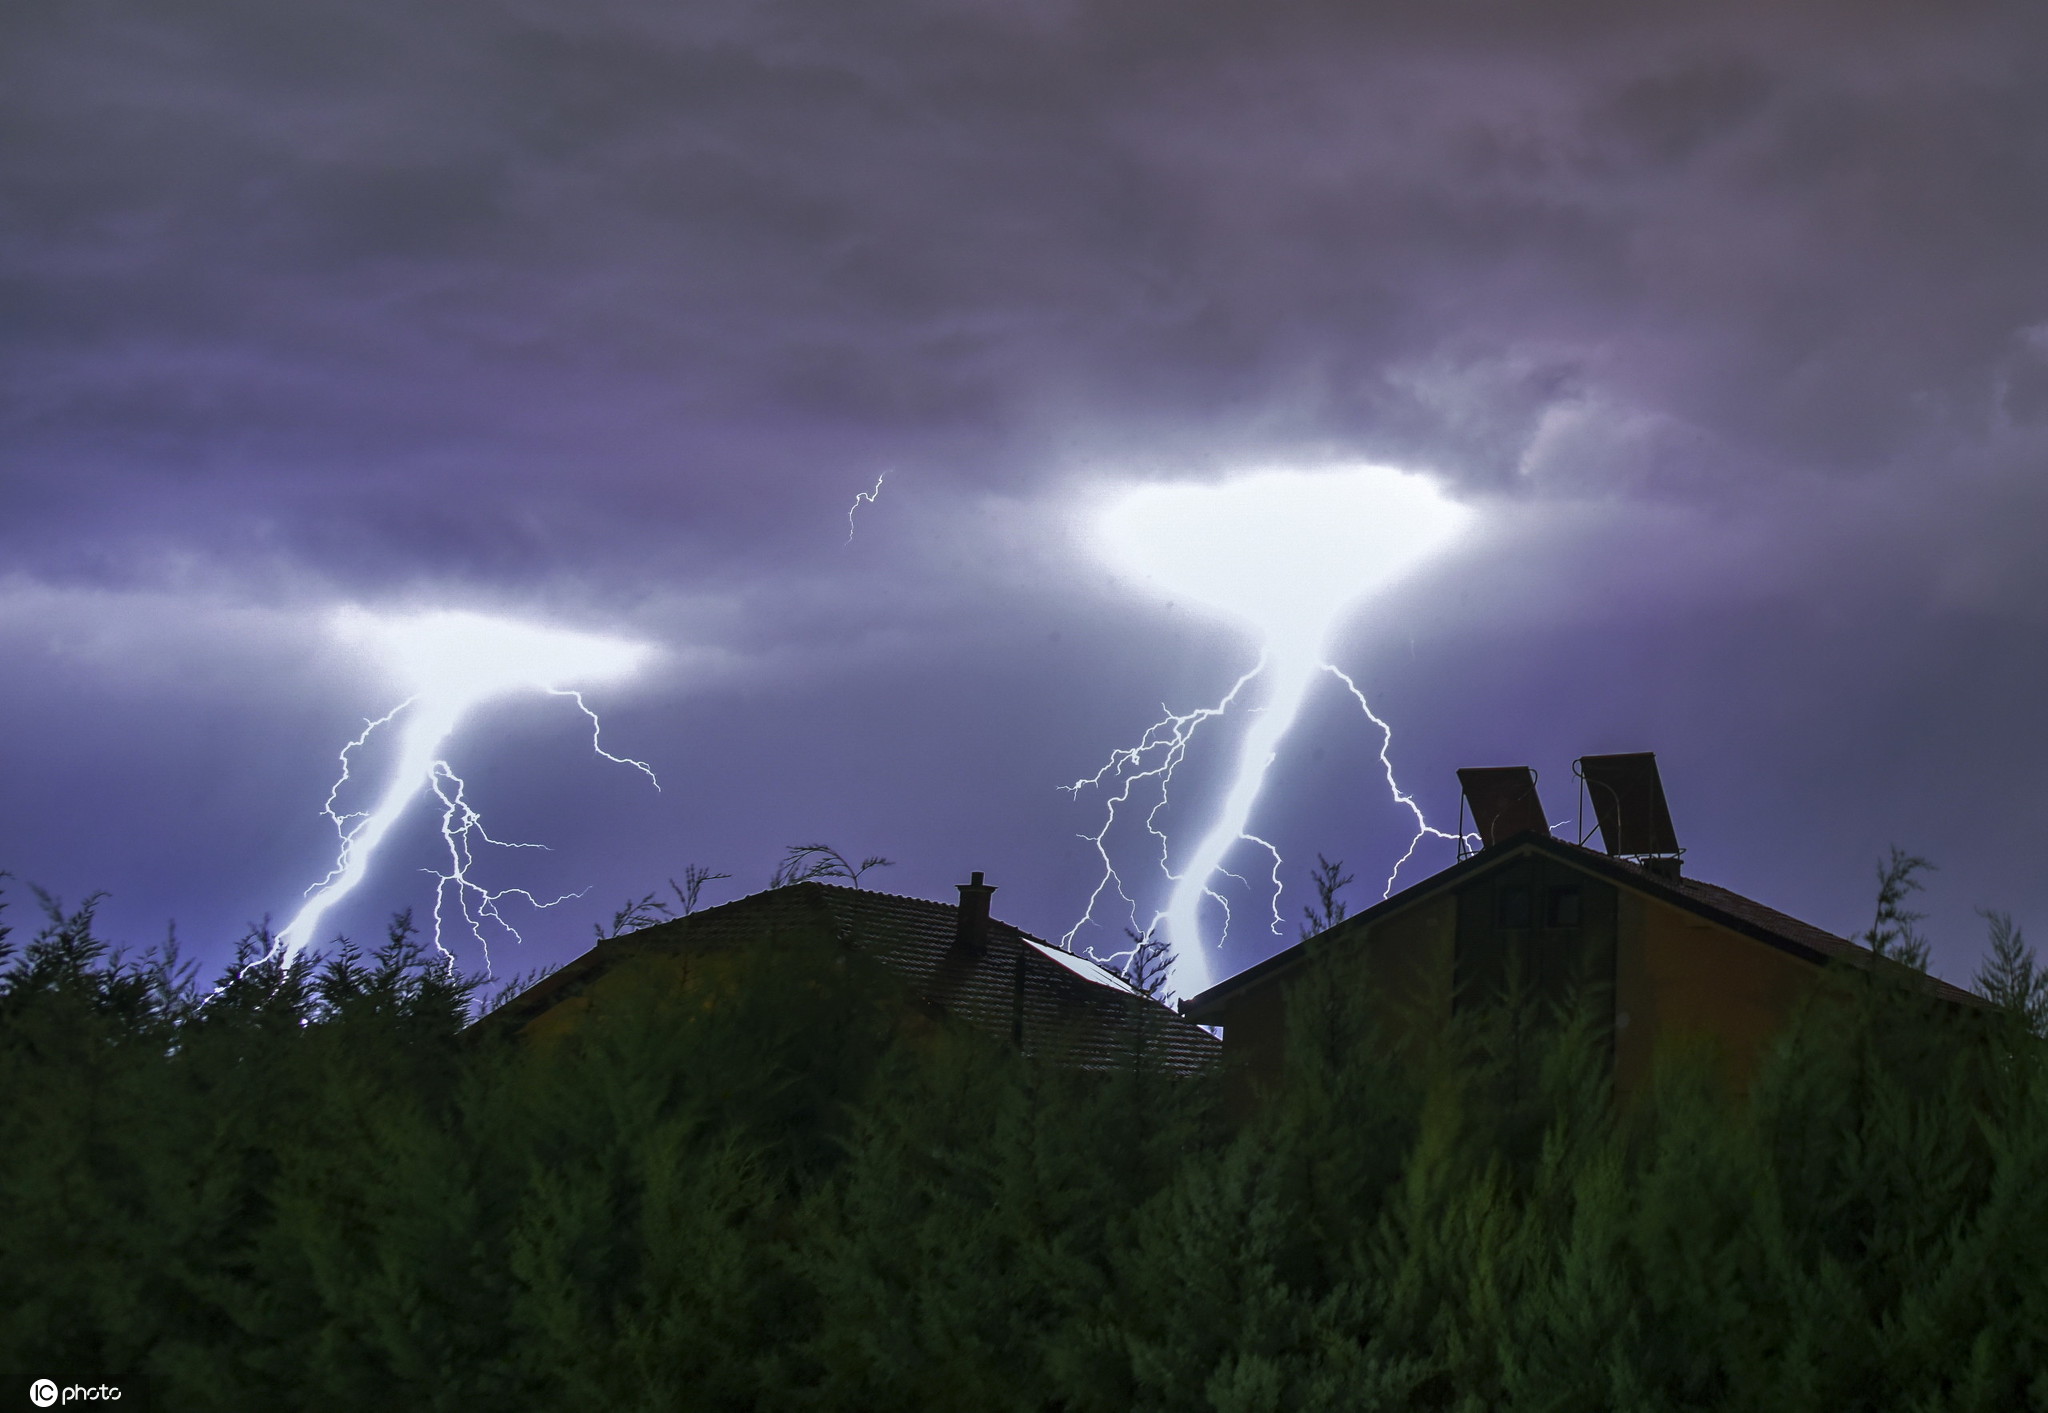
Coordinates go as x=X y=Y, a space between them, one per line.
x=970 y=932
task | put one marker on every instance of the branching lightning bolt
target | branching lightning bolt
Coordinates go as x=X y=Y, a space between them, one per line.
x=474 y=902
x=869 y=497
x=1423 y=828
x=1284 y=554
x=1157 y=755
x=342 y=824
x=595 y=727
x=452 y=661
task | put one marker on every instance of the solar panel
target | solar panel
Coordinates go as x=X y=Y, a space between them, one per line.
x=1083 y=968
x=1628 y=800
x=1503 y=801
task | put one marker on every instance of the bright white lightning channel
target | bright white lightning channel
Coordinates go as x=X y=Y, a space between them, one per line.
x=1286 y=555
x=447 y=662
x=864 y=497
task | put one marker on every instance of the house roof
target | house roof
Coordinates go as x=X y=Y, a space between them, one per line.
x=1072 y=1010
x=1715 y=904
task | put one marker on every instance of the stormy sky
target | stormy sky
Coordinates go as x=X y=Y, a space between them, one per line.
x=1728 y=321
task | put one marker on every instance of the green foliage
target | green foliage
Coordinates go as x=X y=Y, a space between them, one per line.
x=1329 y=881
x=1892 y=932
x=2011 y=978
x=803 y=863
x=309 y=1187
x=650 y=909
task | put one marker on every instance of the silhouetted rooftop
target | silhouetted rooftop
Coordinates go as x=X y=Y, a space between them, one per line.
x=1707 y=900
x=1067 y=1009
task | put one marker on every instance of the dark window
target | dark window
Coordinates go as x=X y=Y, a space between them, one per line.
x=1561 y=908
x=1512 y=907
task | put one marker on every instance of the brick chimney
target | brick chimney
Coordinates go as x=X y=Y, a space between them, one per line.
x=970 y=932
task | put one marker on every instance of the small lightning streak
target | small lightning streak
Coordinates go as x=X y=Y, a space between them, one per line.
x=595 y=726
x=869 y=497
x=451 y=661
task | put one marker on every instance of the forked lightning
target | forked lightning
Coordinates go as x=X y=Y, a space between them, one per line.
x=1286 y=555
x=447 y=662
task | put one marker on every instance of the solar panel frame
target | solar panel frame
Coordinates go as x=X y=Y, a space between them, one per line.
x=1503 y=801
x=1628 y=802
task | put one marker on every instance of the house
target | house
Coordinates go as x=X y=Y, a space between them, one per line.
x=941 y=960
x=1669 y=955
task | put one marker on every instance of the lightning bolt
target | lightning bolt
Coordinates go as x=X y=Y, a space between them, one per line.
x=1285 y=555
x=342 y=821
x=870 y=497
x=1423 y=828
x=1157 y=755
x=1152 y=762
x=596 y=727
x=453 y=661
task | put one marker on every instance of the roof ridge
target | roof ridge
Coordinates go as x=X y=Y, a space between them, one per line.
x=850 y=893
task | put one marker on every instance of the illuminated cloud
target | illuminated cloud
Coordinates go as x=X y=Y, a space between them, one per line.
x=1285 y=553
x=456 y=657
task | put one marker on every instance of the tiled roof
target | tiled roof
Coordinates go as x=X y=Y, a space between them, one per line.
x=1067 y=1009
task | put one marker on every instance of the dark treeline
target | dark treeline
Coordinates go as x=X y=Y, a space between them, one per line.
x=311 y=1189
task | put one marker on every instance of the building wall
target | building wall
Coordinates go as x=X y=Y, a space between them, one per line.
x=1551 y=923
x=1405 y=965
x=1680 y=979
x=1255 y=1040
x=1676 y=977
x=1411 y=961
x=1548 y=928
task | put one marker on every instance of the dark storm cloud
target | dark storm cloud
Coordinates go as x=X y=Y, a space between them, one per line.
x=355 y=278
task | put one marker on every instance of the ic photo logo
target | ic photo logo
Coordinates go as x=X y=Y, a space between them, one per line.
x=44 y=1393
